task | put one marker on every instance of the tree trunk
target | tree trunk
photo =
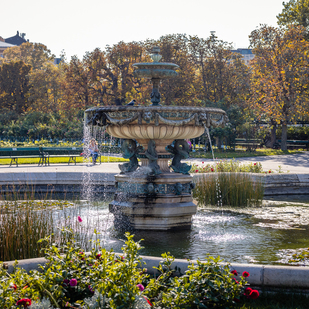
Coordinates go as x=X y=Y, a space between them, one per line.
x=284 y=136
x=273 y=135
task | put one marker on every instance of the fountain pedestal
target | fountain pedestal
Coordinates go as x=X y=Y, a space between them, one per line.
x=161 y=202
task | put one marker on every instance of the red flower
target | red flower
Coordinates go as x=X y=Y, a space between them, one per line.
x=269 y=172
x=212 y=169
x=234 y=272
x=202 y=162
x=235 y=280
x=254 y=294
x=254 y=163
x=24 y=302
x=148 y=301
x=196 y=171
x=13 y=286
x=248 y=291
x=245 y=274
x=98 y=256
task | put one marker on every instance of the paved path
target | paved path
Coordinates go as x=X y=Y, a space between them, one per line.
x=295 y=164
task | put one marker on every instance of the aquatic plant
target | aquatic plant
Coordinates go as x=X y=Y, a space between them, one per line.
x=233 y=189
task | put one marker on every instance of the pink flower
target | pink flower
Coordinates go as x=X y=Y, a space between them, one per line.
x=254 y=163
x=141 y=287
x=73 y=282
x=79 y=219
x=202 y=162
x=245 y=274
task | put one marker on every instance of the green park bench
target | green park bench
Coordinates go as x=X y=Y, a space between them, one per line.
x=71 y=152
x=292 y=144
x=14 y=153
x=250 y=144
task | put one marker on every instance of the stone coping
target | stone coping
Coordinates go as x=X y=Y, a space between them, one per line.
x=268 y=276
x=275 y=184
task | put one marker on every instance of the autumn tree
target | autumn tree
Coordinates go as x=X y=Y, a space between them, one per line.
x=45 y=93
x=105 y=77
x=295 y=12
x=34 y=54
x=14 y=86
x=180 y=89
x=221 y=74
x=280 y=72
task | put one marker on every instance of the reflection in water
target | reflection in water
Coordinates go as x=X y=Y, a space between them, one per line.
x=244 y=235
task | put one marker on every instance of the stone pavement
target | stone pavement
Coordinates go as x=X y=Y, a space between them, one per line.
x=294 y=164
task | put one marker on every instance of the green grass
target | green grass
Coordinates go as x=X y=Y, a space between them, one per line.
x=60 y=160
x=241 y=153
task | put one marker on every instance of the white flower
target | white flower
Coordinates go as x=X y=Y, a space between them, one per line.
x=41 y=304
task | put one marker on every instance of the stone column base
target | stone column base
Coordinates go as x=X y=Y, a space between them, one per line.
x=161 y=202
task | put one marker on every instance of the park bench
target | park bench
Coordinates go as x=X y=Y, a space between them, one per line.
x=292 y=144
x=14 y=153
x=71 y=152
x=250 y=144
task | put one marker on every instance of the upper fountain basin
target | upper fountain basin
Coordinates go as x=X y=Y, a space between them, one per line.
x=161 y=70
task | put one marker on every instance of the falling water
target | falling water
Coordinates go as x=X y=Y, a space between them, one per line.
x=218 y=189
x=208 y=135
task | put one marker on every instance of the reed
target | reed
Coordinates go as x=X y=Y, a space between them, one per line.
x=229 y=189
x=24 y=221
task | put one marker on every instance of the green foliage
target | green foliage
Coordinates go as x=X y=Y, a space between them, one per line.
x=295 y=12
x=207 y=284
x=233 y=189
x=70 y=276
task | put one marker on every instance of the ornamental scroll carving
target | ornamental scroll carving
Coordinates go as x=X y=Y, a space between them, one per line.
x=119 y=118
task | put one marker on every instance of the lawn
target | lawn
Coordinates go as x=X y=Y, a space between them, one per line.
x=240 y=153
x=104 y=159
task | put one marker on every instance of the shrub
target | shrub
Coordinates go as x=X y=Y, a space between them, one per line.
x=104 y=279
x=224 y=166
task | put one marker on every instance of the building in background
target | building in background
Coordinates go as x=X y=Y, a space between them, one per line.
x=17 y=39
x=4 y=46
x=246 y=53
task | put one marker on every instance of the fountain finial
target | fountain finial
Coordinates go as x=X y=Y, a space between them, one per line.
x=155 y=56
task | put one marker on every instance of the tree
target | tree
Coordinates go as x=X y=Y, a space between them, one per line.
x=222 y=76
x=14 y=86
x=295 y=12
x=34 y=54
x=180 y=89
x=280 y=73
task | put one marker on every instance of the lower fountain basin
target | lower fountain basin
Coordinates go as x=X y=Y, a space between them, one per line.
x=161 y=202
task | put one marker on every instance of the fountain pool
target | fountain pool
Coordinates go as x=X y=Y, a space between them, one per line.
x=263 y=235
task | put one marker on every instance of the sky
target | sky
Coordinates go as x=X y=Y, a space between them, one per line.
x=76 y=26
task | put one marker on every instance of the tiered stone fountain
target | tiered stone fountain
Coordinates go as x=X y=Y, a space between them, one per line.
x=154 y=196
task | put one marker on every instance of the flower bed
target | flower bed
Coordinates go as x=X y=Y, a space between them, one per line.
x=103 y=279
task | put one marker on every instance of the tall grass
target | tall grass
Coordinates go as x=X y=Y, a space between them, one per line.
x=24 y=222
x=229 y=189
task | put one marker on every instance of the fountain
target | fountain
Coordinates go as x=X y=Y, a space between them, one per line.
x=151 y=196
